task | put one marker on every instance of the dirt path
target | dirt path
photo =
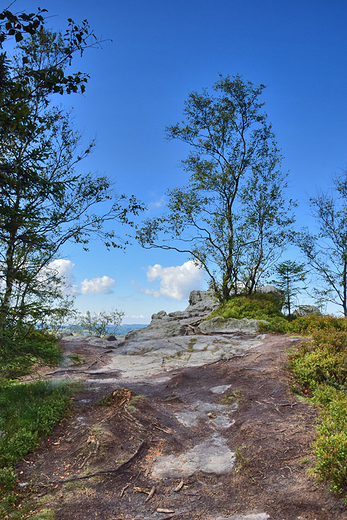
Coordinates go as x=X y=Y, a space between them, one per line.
x=226 y=440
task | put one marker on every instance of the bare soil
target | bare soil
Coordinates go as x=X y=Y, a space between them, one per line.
x=99 y=462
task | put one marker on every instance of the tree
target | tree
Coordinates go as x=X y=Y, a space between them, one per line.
x=326 y=251
x=289 y=278
x=231 y=217
x=44 y=202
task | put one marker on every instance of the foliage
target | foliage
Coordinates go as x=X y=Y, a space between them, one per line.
x=99 y=323
x=322 y=360
x=257 y=305
x=326 y=252
x=27 y=413
x=17 y=356
x=44 y=201
x=320 y=368
x=289 y=278
x=231 y=217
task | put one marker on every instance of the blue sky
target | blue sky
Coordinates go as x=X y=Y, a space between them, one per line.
x=162 y=50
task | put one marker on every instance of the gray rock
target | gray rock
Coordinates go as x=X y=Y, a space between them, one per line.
x=190 y=321
x=307 y=310
x=271 y=289
x=220 y=324
x=111 y=338
x=157 y=329
x=179 y=323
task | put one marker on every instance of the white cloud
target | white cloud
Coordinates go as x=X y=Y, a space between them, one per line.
x=63 y=268
x=98 y=285
x=159 y=203
x=176 y=282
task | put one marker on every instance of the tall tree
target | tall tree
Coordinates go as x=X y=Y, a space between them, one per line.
x=290 y=278
x=326 y=251
x=44 y=202
x=231 y=217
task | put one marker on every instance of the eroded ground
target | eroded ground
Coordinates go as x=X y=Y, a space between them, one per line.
x=223 y=440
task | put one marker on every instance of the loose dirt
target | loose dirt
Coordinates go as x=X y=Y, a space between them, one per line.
x=225 y=440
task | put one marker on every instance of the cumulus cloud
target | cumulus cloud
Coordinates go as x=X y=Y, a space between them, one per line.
x=176 y=282
x=98 y=285
x=63 y=268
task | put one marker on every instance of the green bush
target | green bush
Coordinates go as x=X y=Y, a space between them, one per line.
x=331 y=443
x=320 y=365
x=27 y=413
x=98 y=323
x=322 y=360
x=257 y=305
x=17 y=356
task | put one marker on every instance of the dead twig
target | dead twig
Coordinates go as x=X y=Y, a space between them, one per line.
x=150 y=494
x=179 y=487
x=123 y=490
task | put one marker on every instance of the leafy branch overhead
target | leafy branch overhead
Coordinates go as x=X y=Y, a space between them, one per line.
x=231 y=217
x=44 y=199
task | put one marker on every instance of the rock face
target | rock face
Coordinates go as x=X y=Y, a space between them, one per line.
x=220 y=324
x=306 y=310
x=191 y=320
x=179 y=323
x=271 y=289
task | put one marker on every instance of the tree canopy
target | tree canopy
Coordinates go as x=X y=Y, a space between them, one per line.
x=326 y=251
x=231 y=217
x=44 y=201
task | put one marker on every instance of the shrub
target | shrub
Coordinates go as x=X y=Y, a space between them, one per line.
x=27 y=413
x=17 y=356
x=99 y=323
x=321 y=366
x=322 y=360
x=258 y=306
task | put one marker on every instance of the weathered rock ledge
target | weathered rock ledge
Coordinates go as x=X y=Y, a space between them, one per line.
x=191 y=321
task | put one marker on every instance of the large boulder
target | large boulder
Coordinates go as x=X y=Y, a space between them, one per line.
x=271 y=289
x=219 y=324
x=306 y=310
x=179 y=323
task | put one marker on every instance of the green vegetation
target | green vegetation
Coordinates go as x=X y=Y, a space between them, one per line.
x=267 y=309
x=98 y=323
x=257 y=305
x=320 y=370
x=18 y=357
x=28 y=413
x=231 y=216
x=290 y=277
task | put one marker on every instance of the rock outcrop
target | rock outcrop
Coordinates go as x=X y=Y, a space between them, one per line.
x=179 y=323
x=306 y=310
x=192 y=321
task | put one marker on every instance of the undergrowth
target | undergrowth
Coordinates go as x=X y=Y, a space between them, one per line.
x=267 y=309
x=18 y=356
x=28 y=412
x=320 y=371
